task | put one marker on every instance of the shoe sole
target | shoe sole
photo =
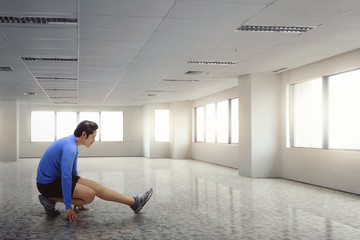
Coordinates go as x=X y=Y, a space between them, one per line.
x=146 y=200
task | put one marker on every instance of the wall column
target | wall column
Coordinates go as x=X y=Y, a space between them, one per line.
x=259 y=125
x=9 y=125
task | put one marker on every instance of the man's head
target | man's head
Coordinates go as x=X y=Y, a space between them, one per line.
x=84 y=130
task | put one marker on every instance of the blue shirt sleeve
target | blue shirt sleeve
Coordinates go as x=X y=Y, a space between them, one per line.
x=67 y=161
x=74 y=171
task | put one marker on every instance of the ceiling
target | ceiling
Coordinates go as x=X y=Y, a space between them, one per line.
x=128 y=53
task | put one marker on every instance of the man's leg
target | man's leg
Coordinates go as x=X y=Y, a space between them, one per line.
x=106 y=193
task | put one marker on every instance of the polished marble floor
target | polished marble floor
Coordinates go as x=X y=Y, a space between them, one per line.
x=191 y=200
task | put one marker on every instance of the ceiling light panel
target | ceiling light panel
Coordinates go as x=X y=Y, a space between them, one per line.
x=281 y=29
x=6 y=69
x=49 y=59
x=180 y=80
x=56 y=78
x=37 y=20
x=213 y=62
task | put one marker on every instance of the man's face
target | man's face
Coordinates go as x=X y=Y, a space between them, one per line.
x=90 y=140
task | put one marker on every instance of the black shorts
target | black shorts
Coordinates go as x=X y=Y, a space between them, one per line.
x=54 y=188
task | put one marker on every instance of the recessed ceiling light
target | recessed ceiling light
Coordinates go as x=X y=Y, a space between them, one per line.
x=50 y=59
x=6 y=69
x=213 y=62
x=282 y=29
x=37 y=20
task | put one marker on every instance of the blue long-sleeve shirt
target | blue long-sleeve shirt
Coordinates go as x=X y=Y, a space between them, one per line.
x=60 y=160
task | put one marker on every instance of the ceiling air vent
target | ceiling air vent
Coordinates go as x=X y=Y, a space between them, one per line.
x=6 y=69
x=49 y=59
x=63 y=97
x=194 y=72
x=55 y=78
x=213 y=62
x=180 y=80
x=279 y=70
x=37 y=20
x=60 y=89
x=30 y=93
x=281 y=29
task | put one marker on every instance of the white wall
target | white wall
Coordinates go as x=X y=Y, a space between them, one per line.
x=9 y=141
x=328 y=168
x=131 y=146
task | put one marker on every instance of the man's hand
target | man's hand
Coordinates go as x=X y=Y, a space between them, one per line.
x=72 y=216
x=80 y=207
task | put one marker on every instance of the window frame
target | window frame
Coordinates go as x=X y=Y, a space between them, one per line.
x=77 y=122
x=325 y=114
x=229 y=119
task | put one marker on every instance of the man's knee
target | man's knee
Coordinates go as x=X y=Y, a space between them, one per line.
x=89 y=196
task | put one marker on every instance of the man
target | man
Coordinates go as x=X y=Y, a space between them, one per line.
x=58 y=180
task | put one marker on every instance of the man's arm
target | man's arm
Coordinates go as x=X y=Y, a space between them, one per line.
x=67 y=160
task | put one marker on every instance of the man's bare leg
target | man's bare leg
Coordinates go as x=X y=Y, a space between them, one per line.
x=106 y=193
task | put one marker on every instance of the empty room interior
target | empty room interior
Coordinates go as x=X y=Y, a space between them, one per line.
x=242 y=115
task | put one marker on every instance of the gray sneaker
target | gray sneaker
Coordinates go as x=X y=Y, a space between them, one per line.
x=48 y=205
x=141 y=200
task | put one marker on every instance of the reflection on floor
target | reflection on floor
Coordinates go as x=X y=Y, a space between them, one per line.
x=191 y=200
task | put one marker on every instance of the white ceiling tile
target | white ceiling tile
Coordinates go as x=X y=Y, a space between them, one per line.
x=125 y=48
x=118 y=23
x=320 y=3
x=351 y=18
x=38 y=7
x=110 y=35
x=109 y=54
x=59 y=53
x=200 y=26
x=137 y=8
x=45 y=44
x=215 y=10
x=42 y=33
x=337 y=31
x=306 y=14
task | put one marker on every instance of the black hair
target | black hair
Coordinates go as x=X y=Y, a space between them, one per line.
x=88 y=126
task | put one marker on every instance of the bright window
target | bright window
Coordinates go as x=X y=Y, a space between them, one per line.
x=234 y=120
x=344 y=111
x=200 y=124
x=162 y=126
x=307 y=114
x=210 y=122
x=223 y=122
x=42 y=126
x=65 y=124
x=112 y=126
x=91 y=116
